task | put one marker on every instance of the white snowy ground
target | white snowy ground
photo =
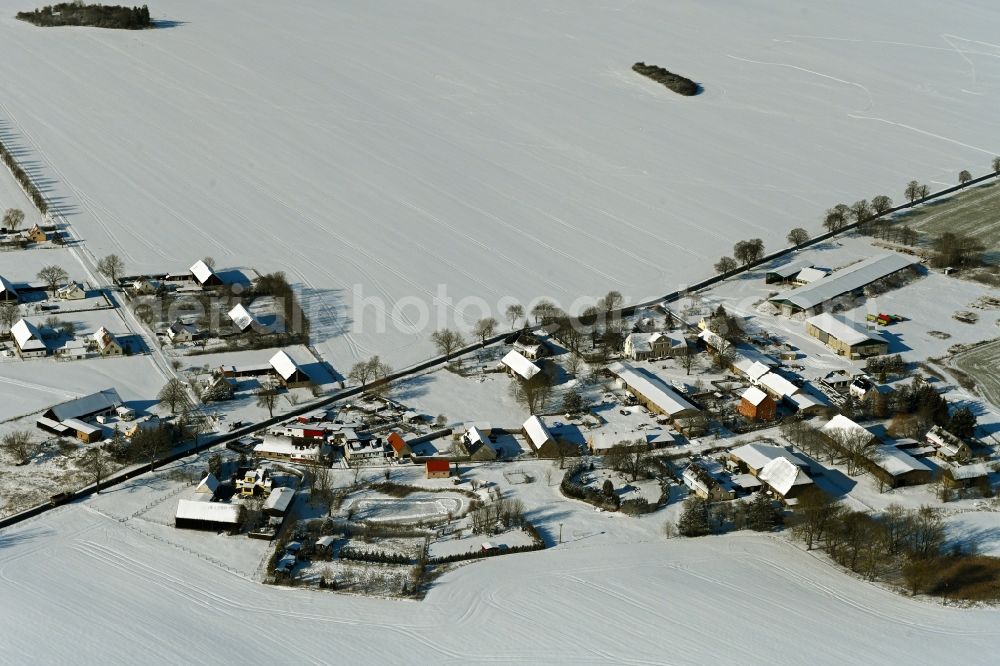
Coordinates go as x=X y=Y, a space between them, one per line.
x=498 y=150
x=118 y=596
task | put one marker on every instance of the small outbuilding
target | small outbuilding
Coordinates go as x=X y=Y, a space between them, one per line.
x=437 y=468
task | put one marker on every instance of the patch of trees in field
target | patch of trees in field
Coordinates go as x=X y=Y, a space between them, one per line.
x=98 y=16
x=679 y=84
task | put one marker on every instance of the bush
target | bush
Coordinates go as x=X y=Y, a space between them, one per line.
x=679 y=84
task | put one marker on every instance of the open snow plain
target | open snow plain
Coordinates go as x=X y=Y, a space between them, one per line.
x=81 y=587
x=386 y=148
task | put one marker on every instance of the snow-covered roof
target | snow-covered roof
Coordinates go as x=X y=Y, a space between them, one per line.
x=781 y=475
x=201 y=272
x=279 y=499
x=652 y=389
x=803 y=400
x=208 y=485
x=896 y=461
x=965 y=472
x=745 y=357
x=26 y=336
x=643 y=342
x=284 y=446
x=778 y=385
x=662 y=437
x=284 y=365
x=81 y=426
x=845 y=280
x=477 y=436
x=104 y=338
x=846 y=331
x=7 y=287
x=757 y=455
x=754 y=396
x=89 y=404
x=213 y=512
x=242 y=317
x=536 y=431
x=757 y=370
x=810 y=275
x=69 y=288
x=606 y=438
x=520 y=365
x=790 y=269
x=842 y=424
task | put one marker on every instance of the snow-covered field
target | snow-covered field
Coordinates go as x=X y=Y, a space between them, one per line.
x=120 y=597
x=390 y=148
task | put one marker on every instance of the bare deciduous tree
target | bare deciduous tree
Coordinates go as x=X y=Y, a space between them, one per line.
x=964 y=177
x=53 y=276
x=9 y=314
x=485 y=328
x=173 y=394
x=267 y=398
x=725 y=265
x=112 y=266
x=13 y=218
x=97 y=463
x=629 y=458
x=447 y=341
x=514 y=312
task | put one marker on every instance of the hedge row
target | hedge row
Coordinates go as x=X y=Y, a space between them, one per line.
x=22 y=177
x=679 y=84
x=378 y=556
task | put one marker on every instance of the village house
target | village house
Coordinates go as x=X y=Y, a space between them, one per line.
x=145 y=287
x=146 y=423
x=74 y=349
x=36 y=234
x=813 y=298
x=703 y=484
x=107 y=343
x=895 y=468
x=947 y=447
x=400 y=447
x=519 y=366
x=965 y=476
x=757 y=405
x=366 y=451
x=785 y=273
x=437 y=468
x=477 y=446
x=604 y=439
x=530 y=346
x=742 y=358
x=652 y=393
x=71 y=291
x=845 y=337
x=204 y=275
x=28 y=340
x=179 y=332
x=784 y=479
x=288 y=371
x=540 y=439
x=753 y=458
x=251 y=482
x=656 y=345
x=307 y=451
x=8 y=294
x=209 y=486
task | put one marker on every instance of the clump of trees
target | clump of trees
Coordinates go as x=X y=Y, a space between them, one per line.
x=98 y=16
x=915 y=190
x=749 y=251
x=679 y=84
x=294 y=321
x=951 y=249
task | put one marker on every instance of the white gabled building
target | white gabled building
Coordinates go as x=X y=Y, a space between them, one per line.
x=243 y=318
x=28 y=340
x=519 y=365
x=291 y=375
x=204 y=275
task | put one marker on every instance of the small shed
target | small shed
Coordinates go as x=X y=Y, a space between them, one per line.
x=438 y=468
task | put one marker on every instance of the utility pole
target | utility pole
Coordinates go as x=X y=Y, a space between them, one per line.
x=560 y=533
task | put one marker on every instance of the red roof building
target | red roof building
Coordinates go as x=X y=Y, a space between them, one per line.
x=399 y=446
x=438 y=468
